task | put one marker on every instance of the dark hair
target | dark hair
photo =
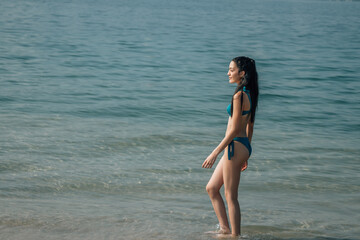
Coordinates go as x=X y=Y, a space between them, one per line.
x=250 y=81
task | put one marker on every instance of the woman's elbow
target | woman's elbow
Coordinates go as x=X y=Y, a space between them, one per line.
x=235 y=131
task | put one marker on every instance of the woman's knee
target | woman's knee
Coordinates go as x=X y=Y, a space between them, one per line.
x=212 y=190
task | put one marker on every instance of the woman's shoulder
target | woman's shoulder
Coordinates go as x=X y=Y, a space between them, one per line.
x=238 y=94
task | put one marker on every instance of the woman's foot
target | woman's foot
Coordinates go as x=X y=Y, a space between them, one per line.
x=227 y=236
x=220 y=231
x=224 y=231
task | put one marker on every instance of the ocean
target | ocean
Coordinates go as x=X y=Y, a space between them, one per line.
x=109 y=108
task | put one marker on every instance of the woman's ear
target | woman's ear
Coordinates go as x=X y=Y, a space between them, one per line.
x=242 y=74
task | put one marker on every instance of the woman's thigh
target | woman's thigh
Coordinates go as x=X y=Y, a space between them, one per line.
x=232 y=168
x=216 y=181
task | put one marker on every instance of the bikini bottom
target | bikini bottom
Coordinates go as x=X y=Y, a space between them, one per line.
x=231 y=149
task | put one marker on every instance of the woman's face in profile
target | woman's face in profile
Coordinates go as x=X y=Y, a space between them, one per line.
x=233 y=73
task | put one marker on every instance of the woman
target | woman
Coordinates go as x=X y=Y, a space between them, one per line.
x=236 y=143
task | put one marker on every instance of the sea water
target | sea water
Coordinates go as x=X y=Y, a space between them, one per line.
x=108 y=109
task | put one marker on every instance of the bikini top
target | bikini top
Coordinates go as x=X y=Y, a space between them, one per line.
x=244 y=112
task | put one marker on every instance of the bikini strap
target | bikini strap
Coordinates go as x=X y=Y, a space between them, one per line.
x=231 y=149
x=249 y=96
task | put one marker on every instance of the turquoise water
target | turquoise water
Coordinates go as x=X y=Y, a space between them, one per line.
x=108 y=109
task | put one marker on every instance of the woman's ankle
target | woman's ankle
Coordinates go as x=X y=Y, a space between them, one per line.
x=224 y=230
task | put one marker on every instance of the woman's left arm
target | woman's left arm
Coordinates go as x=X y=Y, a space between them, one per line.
x=249 y=130
x=233 y=132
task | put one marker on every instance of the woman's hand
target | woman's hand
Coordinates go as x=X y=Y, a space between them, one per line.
x=210 y=160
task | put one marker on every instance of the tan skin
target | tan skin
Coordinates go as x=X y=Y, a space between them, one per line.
x=228 y=172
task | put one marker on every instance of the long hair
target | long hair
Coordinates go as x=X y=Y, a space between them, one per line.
x=250 y=81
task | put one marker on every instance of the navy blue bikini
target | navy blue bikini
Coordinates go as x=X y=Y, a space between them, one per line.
x=244 y=140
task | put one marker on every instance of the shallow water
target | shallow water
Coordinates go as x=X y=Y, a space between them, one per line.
x=108 y=109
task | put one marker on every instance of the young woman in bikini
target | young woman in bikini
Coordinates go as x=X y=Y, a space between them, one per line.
x=236 y=143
